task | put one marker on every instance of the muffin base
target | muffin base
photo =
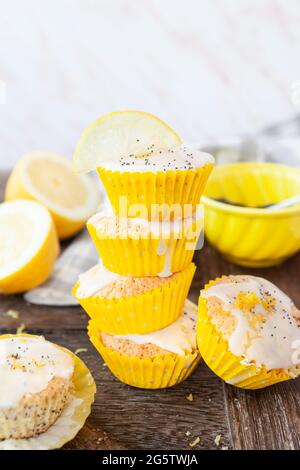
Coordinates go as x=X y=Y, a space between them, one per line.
x=174 y=187
x=149 y=372
x=141 y=256
x=35 y=413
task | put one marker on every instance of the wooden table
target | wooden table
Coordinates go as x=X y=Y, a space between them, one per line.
x=125 y=417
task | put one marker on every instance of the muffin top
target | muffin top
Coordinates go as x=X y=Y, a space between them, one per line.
x=178 y=338
x=258 y=320
x=100 y=282
x=27 y=365
x=175 y=158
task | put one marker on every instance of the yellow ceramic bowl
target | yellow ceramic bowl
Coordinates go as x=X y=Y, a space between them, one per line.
x=250 y=236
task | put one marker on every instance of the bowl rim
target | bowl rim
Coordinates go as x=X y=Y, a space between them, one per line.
x=253 y=211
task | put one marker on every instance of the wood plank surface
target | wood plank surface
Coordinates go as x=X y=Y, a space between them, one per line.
x=125 y=417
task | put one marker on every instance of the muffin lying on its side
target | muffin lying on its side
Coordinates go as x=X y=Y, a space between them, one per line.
x=248 y=331
x=121 y=305
x=158 y=359
x=46 y=393
x=35 y=386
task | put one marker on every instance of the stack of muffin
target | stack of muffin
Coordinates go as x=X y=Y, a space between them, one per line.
x=136 y=295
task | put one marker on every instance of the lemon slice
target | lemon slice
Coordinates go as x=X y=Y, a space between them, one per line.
x=28 y=245
x=49 y=179
x=119 y=134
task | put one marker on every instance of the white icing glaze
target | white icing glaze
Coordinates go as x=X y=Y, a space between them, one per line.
x=176 y=158
x=179 y=337
x=27 y=365
x=165 y=250
x=95 y=279
x=271 y=343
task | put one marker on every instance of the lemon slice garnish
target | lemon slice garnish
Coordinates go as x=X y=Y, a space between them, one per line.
x=122 y=134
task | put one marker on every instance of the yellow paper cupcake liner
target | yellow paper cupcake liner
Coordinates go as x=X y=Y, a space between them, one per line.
x=73 y=416
x=152 y=373
x=229 y=367
x=174 y=187
x=147 y=255
x=140 y=314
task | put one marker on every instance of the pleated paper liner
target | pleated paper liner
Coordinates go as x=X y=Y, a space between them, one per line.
x=149 y=372
x=229 y=367
x=174 y=187
x=72 y=418
x=147 y=255
x=140 y=314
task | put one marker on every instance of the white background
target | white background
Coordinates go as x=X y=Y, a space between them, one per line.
x=210 y=68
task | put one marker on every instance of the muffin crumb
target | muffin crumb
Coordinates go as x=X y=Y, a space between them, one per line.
x=195 y=442
x=20 y=329
x=12 y=314
x=80 y=350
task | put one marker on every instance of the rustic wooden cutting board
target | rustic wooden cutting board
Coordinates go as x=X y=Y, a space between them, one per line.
x=127 y=418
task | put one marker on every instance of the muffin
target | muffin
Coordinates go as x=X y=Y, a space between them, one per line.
x=158 y=186
x=123 y=304
x=38 y=382
x=154 y=360
x=248 y=331
x=137 y=247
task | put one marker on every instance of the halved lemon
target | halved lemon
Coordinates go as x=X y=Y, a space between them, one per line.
x=28 y=245
x=49 y=179
x=122 y=133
